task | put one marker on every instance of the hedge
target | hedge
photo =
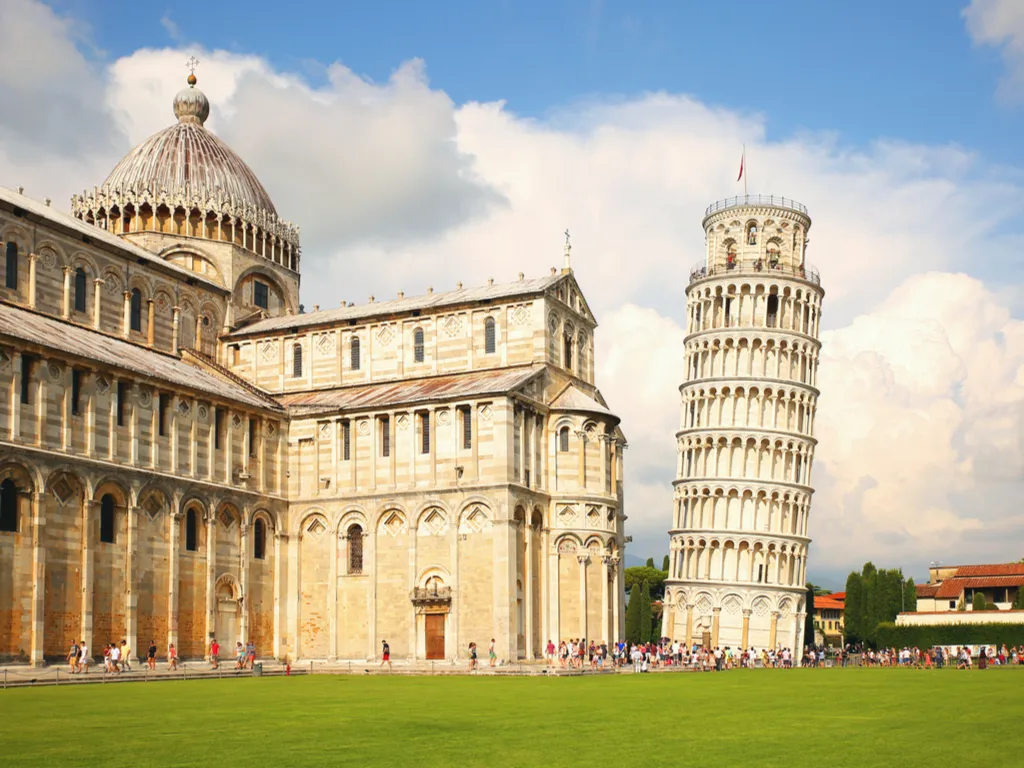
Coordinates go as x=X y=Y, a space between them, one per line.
x=891 y=636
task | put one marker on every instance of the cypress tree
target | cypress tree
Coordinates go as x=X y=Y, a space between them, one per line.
x=853 y=608
x=979 y=603
x=664 y=564
x=909 y=596
x=1018 y=603
x=645 y=613
x=650 y=562
x=809 y=620
x=633 y=613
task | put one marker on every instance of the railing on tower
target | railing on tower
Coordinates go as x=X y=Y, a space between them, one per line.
x=808 y=272
x=741 y=200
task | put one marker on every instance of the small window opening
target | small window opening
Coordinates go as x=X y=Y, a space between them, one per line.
x=107 y=519
x=417 y=345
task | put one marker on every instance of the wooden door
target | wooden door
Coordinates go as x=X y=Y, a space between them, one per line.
x=434 y=627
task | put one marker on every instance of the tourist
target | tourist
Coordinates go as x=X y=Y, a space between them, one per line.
x=239 y=655
x=73 y=657
x=108 y=665
x=983 y=658
x=473 y=663
x=83 y=658
x=172 y=657
x=549 y=653
x=492 y=655
x=385 y=654
x=151 y=655
x=250 y=654
x=214 y=653
x=125 y=653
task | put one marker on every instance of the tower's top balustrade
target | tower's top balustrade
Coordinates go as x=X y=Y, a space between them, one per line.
x=746 y=201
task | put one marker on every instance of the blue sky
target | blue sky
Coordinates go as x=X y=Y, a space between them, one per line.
x=867 y=70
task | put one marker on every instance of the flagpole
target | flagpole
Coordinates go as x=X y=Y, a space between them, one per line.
x=745 y=171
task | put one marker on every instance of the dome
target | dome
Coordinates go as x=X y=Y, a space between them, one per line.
x=184 y=181
x=186 y=161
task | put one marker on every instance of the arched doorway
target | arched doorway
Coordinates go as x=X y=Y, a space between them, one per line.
x=433 y=603
x=228 y=628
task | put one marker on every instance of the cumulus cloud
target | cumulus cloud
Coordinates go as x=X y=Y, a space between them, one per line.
x=397 y=188
x=1000 y=24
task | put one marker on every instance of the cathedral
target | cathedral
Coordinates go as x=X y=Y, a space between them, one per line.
x=185 y=454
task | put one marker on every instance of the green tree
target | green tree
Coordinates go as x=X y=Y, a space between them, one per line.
x=650 y=562
x=654 y=578
x=633 y=615
x=961 y=606
x=909 y=596
x=809 y=619
x=979 y=603
x=664 y=564
x=1018 y=603
x=853 y=608
x=645 y=613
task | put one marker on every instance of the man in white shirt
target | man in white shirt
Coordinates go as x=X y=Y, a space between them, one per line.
x=115 y=658
x=84 y=656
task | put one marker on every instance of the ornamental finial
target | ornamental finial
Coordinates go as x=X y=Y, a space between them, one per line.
x=191 y=64
x=568 y=249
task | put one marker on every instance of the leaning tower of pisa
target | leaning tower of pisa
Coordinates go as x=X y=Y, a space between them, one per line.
x=746 y=439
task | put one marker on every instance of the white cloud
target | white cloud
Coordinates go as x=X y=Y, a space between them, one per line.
x=397 y=188
x=1000 y=24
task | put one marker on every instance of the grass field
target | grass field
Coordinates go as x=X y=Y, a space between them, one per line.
x=832 y=718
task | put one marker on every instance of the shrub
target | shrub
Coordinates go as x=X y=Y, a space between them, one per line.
x=979 y=603
x=891 y=636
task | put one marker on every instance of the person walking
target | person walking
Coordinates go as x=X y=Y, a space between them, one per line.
x=473 y=662
x=250 y=654
x=491 y=654
x=239 y=655
x=385 y=653
x=214 y=653
x=73 y=657
x=172 y=657
x=126 y=663
x=151 y=656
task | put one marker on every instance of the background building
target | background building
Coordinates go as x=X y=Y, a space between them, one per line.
x=828 y=619
x=186 y=454
x=746 y=440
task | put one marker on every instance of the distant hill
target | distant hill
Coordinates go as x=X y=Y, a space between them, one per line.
x=633 y=560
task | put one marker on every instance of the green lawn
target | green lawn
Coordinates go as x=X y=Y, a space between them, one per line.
x=831 y=718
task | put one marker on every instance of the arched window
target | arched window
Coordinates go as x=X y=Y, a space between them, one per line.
x=752 y=233
x=107 y=519
x=581 y=355
x=297 y=360
x=355 y=549
x=563 y=439
x=135 y=310
x=773 y=311
x=567 y=350
x=490 y=336
x=355 y=353
x=191 y=537
x=8 y=506
x=12 y=265
x=259 y=539
x=417 y=345
x=80 y=290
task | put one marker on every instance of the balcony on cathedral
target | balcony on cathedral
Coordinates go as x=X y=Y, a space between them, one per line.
x=432 y=595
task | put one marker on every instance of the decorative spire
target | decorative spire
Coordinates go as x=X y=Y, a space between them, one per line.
x=191 y=104
x=568 y=252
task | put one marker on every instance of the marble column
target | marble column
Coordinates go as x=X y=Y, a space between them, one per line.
x=97 y=295
x=773 y=630
x=745 y=640
x=38 y=579
x=65 y=305
x=604 y=634
x=90 y=512
x=131 y=619
x=528 y=585
x=243 y=571
x=172 y=579
x=33 y=258
x=583 y=559
x=689 y=624
x=716 y=623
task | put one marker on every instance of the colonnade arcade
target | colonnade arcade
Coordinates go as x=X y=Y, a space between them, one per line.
x=760 y=355
x=108 y=557
x=782 y=408
x=738 y=559
x=752 y=457
x=720 y=618
x=742 y=509
x=765 y=304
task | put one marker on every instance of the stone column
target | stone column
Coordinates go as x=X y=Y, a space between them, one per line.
x=745 y=639
x=604 y=634
x=90 y=511
x=716 y=623
x=97 y=293
x=65 y=306
x=332 y=594
x=616 y=599
x=545 y=590
x=126 y=318
x=38 y=579
x=528 y=591
x=172 y=578
x=279 y=573
x=175 y=323
x=689 y=624
x=581 y=435
x=798 y=637
x=243 y=571
x=555 y=617
x=131 y=608
x=211 y=574
x=773 y=630
x=667 y=617
x=582 y=559
x=150 y=322
x=32 y=259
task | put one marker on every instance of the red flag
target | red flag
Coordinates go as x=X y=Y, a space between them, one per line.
x=743 y=158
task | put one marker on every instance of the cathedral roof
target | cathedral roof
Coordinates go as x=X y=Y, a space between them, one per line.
x=102 y=349
x=411 y=391
x=572 y=398
x=398 y=306
x=189 y=162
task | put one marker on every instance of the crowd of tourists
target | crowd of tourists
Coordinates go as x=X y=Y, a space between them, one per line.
x=117 y=657
x=936 y=657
